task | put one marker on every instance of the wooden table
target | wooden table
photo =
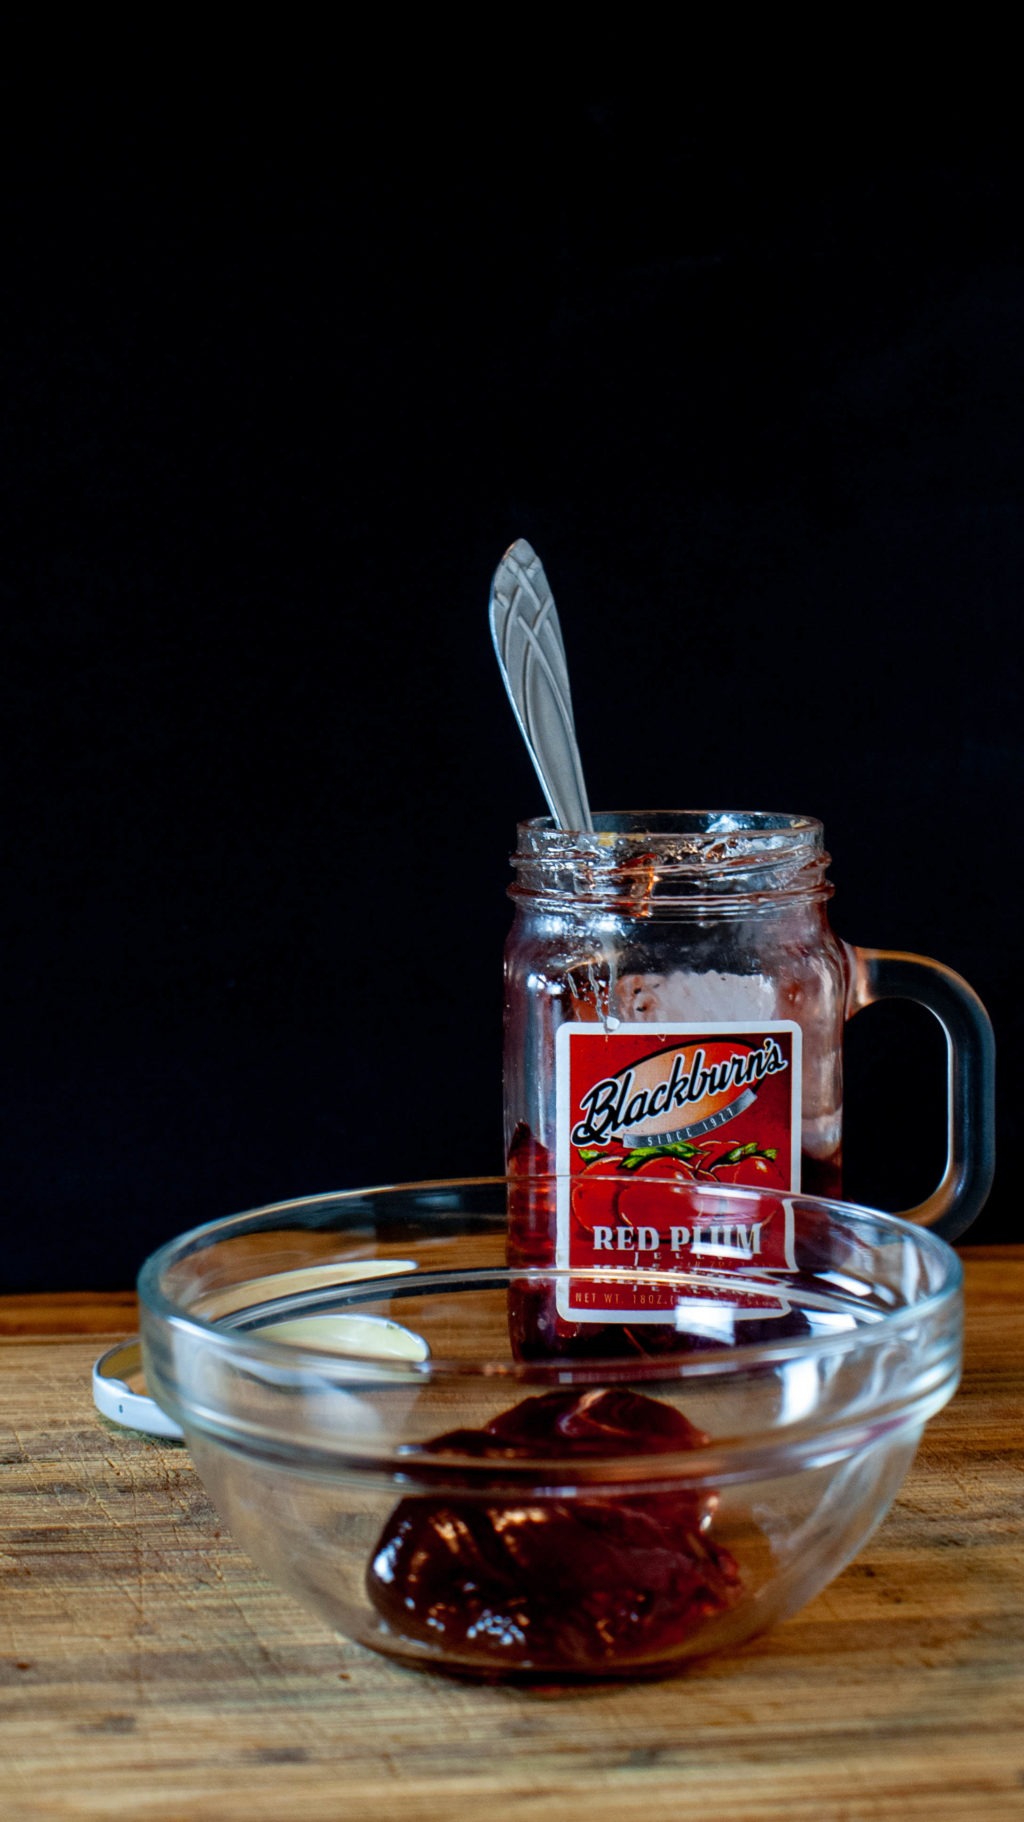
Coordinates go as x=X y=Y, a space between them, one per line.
x=148 y=1671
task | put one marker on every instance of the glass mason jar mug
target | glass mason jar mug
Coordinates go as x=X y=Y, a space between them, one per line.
x=675 y=1002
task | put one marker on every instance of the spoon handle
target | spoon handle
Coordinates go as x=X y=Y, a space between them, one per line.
x=528 y=641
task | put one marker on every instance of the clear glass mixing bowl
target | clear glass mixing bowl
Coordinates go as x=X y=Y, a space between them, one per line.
x=510 y=1470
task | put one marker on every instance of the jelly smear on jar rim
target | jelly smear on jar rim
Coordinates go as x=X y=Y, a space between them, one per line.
x=571 y=1585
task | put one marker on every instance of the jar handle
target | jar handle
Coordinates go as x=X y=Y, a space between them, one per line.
x=878 y=974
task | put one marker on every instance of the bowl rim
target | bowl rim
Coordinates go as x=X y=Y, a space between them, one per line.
x=255 y=1345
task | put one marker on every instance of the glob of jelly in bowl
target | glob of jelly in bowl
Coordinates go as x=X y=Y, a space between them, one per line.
x=574 y=1585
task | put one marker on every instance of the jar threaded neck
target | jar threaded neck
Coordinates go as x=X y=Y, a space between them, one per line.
x=683 y=860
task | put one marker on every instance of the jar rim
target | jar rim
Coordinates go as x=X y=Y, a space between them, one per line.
x=706 y=826
x=684 y=857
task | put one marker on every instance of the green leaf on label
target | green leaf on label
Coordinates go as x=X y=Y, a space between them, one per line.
x=739 y=1152
x=681 y=1149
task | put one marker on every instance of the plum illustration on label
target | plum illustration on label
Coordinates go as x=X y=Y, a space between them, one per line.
x=643 y=1108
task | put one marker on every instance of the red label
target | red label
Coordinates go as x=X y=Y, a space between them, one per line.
x=704 y=1106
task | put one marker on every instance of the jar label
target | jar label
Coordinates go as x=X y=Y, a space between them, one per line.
x=703 y=1106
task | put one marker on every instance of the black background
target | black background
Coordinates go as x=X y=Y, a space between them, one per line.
x=284 y=373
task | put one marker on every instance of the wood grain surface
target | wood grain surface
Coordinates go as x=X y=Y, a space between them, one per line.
x=147 y=1670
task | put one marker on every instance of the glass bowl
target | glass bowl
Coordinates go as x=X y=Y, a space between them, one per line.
x=506 y=1469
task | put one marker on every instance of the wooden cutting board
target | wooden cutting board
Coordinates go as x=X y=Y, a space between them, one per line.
x=147 y=1670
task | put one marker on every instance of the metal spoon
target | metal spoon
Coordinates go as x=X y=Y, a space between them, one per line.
x=528 y=641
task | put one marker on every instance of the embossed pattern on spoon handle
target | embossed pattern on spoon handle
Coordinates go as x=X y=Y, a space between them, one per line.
x=528 y=641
